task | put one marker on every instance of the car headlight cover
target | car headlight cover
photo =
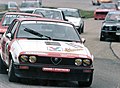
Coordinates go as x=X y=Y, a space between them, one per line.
x=24 y=58
x=86 y=62
x=78 y=62
x=32 y=59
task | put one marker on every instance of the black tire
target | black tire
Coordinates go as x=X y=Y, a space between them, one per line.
x=102 y=38
x=82 y=29
x=95 y=18
x=79 y=30
x=3 y=67
x=86 y=84
x=11 y=73
x=93 y=3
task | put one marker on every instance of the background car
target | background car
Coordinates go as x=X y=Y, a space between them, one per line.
x=118 y=4
x=28 y=6
x=73 y=15
x=13 y=7
x=57 y=51
x=103 y=9
x=111 y=26
x=98 y=2
x=10 y=16
x=50 y=13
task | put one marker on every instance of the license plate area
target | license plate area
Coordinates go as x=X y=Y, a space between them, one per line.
x=55 y=69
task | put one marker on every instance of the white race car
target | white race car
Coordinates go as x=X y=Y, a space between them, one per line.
x=42 y=48
x=73 y=15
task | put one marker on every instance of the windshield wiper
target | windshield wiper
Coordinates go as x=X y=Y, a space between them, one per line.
x=36 y=33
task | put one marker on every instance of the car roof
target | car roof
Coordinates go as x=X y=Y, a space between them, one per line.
x=19 y=13
x=44 y=19
x=74 y=9
x=55 y=9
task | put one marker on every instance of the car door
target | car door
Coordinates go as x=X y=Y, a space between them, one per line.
x=6 y=40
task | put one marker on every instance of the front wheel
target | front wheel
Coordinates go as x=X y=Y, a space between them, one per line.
x=102 y=38
x=82 y=29
x=87 y=83
x=3 y=67
x=11 y=73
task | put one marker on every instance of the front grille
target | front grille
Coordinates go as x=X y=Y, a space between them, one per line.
x=47 y=60
x=110 y=28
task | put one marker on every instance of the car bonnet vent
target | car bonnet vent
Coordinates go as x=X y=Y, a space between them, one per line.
x=53 y=43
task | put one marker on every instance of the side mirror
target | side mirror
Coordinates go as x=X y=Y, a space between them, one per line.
x=83 y=40
x=9 y=35
x=66 y=19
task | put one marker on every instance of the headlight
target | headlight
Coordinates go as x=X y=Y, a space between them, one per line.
x=32 y=59
x=106 y=28
x=23 y=58
x=78 y=62
x=86 y=62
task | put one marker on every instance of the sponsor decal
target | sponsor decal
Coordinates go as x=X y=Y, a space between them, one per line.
x=51 y=48
x=56 y=70
x=71 y=50
x=74 y=45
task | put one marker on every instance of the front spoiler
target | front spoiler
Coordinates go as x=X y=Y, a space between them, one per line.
x=36 y=72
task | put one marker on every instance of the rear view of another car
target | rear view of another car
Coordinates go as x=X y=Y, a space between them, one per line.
x=103 y=9
x=28 y=6
x=98 y=2
x=111 y=26
x=118 y=4
x=73 y=15
x=13 y=7
x=50 y=13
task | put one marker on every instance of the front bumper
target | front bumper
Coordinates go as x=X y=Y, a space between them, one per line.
x=36 y=72
x=109 y=33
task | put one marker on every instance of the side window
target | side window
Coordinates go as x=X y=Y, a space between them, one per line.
x=12 y=27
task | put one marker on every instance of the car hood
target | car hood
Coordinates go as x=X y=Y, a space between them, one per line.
x=51 y=47
x=109 y=23
x=74 y=20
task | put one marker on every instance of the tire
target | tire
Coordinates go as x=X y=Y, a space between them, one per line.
x=102 y=38
x=86 y=84
x=79 y=30
x=82 y=29
x=3 y=67
x=11 y=73
x=93 y=3
x=95 y=18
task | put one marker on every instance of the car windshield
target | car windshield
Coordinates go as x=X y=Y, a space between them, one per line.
x=30 y=4
x=71 y=13
x=51 y=30
x=9 y=18
x=52 y=14
x=107 y=6
x=13 y=5
x=112 y=17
